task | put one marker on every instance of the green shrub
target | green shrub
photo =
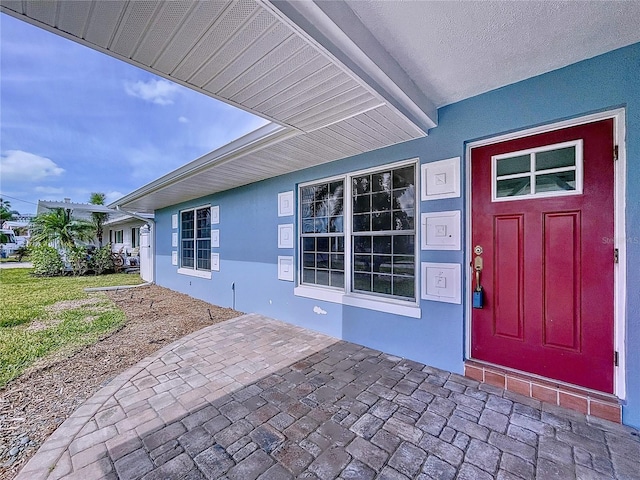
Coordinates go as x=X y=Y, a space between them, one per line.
x=101 y=260
x=78 y=260
x=46 y=261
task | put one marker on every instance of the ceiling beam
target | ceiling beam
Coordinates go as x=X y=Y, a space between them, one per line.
x=337 y=28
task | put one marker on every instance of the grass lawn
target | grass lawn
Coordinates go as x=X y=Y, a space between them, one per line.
x=34 y=324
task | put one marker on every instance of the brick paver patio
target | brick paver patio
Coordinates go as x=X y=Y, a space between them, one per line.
x=256 y=398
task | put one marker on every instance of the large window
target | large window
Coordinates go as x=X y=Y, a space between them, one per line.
x=195 y=239
x=357 y=233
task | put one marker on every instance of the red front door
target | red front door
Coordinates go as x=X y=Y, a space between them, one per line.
x=543 y=215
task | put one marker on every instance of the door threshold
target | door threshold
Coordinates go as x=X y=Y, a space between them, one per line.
x=573 y=397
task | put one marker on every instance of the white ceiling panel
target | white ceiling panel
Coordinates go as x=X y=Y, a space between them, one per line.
x=137 y=17
x=103 y=22
x=73 y=18
x=243 y=64
x=234 y=49
x=324 y=91
x=42 y=11
x=161 y=30
x=284 y=77
x=294 y=50
x=188 y=31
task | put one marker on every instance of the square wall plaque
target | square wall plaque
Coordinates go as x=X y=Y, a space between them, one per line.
x=285 y=236
x=285 y=268
x=215 y=238
x=441 y=282
x=440 y=230
x=215 y=214
x=441 y=179
x=215 y=262
x=285 y=204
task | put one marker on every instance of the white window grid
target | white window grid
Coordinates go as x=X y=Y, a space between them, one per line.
x=533 y=173
x=348 y=234
x=196 y=248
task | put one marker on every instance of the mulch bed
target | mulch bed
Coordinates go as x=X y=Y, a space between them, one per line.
x=36 y=403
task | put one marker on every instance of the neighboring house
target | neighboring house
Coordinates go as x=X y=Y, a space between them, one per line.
x=122 y=229
x=132 y=235
x=79 y=211
x=343 y=215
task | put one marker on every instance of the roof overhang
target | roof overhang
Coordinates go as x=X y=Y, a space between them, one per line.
x=337 y=78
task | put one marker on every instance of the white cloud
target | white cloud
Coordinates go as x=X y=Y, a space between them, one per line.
x=19 y=166
x=112 y=197
x=183 y=119
x=160 y=92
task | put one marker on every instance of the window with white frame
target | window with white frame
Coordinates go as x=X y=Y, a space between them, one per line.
x=195 y=238
x=118 y=236
x=135 y=237
x=357 y=233
x=548 y=171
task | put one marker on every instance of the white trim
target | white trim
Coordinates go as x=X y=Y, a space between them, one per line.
x=620 y=288
x=448 y=273
x=620 y=269
x=409 y=309
x=215 y=262
x=286 y=268
x=451 y=238
x=449 y=167
x=348 y=233
x=215 y=214
x=533 y=172
x=285 y=235
x=195 y=273
x=182 y=270
x=215 y=238
x=285 y=204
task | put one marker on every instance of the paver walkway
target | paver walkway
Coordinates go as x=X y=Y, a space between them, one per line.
x=256 y=398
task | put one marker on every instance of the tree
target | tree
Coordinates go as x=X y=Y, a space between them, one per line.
x=98 y=218
x=58 y=226
x=5 y=210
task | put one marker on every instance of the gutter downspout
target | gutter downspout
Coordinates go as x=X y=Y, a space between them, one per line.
x=152 y=225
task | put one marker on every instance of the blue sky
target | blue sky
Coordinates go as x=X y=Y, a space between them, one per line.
x=75 y=121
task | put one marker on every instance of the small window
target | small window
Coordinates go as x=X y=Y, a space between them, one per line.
x=118 y=236
x=135 y=237
x=552 y=170
x=195 y=239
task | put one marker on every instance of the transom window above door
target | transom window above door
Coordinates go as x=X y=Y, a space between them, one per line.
x=549 y=171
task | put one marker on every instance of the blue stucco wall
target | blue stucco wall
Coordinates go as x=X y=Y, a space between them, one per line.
x=248 y=218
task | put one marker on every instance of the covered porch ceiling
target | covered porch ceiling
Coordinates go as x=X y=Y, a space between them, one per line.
x=336 y=78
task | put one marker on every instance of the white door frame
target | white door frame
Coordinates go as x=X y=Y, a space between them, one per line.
x=620 y=285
